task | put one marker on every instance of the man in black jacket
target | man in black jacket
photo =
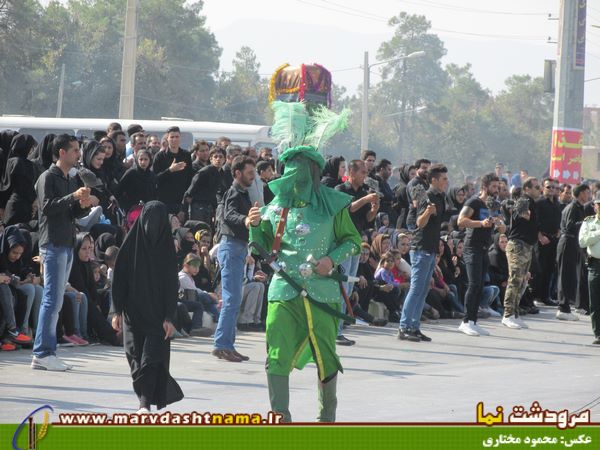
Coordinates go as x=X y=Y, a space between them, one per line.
x=570 y=257
x=544 y=251
x=207 y=186
x=173 y=169
x=237 y=216
x=61 y=202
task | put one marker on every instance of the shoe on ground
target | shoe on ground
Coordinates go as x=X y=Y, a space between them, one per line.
x=422 y=337
x=227 y=355
x=549 y=302
x=521 y=322
x=493 y=312
x=343 y=340
x=379 y=323
x=258 y=327
x=480 y=330
x=533 y=309
x=468 y=328
x=79 y=340
x=70 y=339
x=143 y=411
x=50 y=363
x=62 y=342
x=239 y=355
x=582 y=312
x=407 y=335
x=201 y=332
x=510 y=322
x=8 y=347
x=457 y=315
x=19 y=338
x=483 y=314
x=596 y=341
x=560 y=315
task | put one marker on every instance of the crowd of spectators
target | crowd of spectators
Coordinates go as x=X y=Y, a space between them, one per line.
x=130 y=167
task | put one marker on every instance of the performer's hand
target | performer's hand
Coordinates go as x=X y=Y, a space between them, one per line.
x=169 y=329
x=116 y=322
x=324 y=266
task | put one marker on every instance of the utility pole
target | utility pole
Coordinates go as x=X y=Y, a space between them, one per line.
x=364 y=125
x=567 y=129
x=61 y=92
x=126 y=98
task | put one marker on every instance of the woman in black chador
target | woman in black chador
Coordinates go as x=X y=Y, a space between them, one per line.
x=145 y=289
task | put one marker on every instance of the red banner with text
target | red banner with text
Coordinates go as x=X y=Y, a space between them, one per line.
x=565 y=164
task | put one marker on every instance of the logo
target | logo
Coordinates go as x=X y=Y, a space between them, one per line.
x=33 y=435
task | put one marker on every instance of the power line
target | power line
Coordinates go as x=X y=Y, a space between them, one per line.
x=470 y=10
x=443 y=30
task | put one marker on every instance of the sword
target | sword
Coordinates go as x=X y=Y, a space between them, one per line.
x=272 y=261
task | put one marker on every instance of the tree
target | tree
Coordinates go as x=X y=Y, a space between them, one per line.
x=242 y=94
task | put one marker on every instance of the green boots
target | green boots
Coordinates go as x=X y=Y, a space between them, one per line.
x=279 y=395
x=327 y=400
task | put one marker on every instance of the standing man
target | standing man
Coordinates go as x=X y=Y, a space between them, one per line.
x=570 y=257
x=544 y=251
x=173 y=169
x=369 y=157
x=479 y=219
x=61 y=202
x=238 y=215
x=589 y=236
x=522 y=237
x=420 y=180
x=363 y=210
x=429 y=213
x=383 y=173
x=201 y=155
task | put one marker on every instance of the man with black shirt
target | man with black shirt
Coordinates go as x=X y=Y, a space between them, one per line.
x=479 y=219
x=369 y=157
x=265 y=171
x=429 y=212
x=383 y=172
x=173 y=170
x=570 y=257
x=418 y=182
x=201 y=155
x=363 y=211
x=522 y=237
x=238 y=216
x=566 y=196
x=206 y=186
x=544 y=251
x=230 y=153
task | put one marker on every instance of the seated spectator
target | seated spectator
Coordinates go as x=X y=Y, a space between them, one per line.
x=82 y=279
x=253 y=293
x=498 y=263
x=196 y=300
x=388 y=290
x=380 y=246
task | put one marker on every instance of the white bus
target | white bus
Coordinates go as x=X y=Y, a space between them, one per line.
x=244 y=135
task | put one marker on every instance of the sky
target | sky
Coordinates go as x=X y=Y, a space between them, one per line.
x=498 y=39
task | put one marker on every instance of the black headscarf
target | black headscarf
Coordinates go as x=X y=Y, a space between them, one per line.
x=331 y=171
x=452 y=195
x=146 y=284
x=41 y=156
x=104 y=241
x=404 y=171
x=90 y=149
x=12 y=236
x=20 y=147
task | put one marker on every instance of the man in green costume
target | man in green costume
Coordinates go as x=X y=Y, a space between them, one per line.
x=318 y=224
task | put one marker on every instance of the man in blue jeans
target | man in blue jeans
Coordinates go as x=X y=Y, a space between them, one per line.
x=237 y=216
x=430 y=213
x=61 y=202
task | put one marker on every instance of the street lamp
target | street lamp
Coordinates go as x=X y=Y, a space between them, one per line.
x=364 y=129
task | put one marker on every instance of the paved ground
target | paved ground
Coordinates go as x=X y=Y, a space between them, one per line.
x=385 y=380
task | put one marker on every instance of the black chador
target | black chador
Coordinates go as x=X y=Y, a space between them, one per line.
x=145 y=291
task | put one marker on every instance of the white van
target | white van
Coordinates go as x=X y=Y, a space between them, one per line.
x=244 y=135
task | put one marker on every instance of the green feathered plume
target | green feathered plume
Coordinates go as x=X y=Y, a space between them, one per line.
x=324 y=124
x=289 y=123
